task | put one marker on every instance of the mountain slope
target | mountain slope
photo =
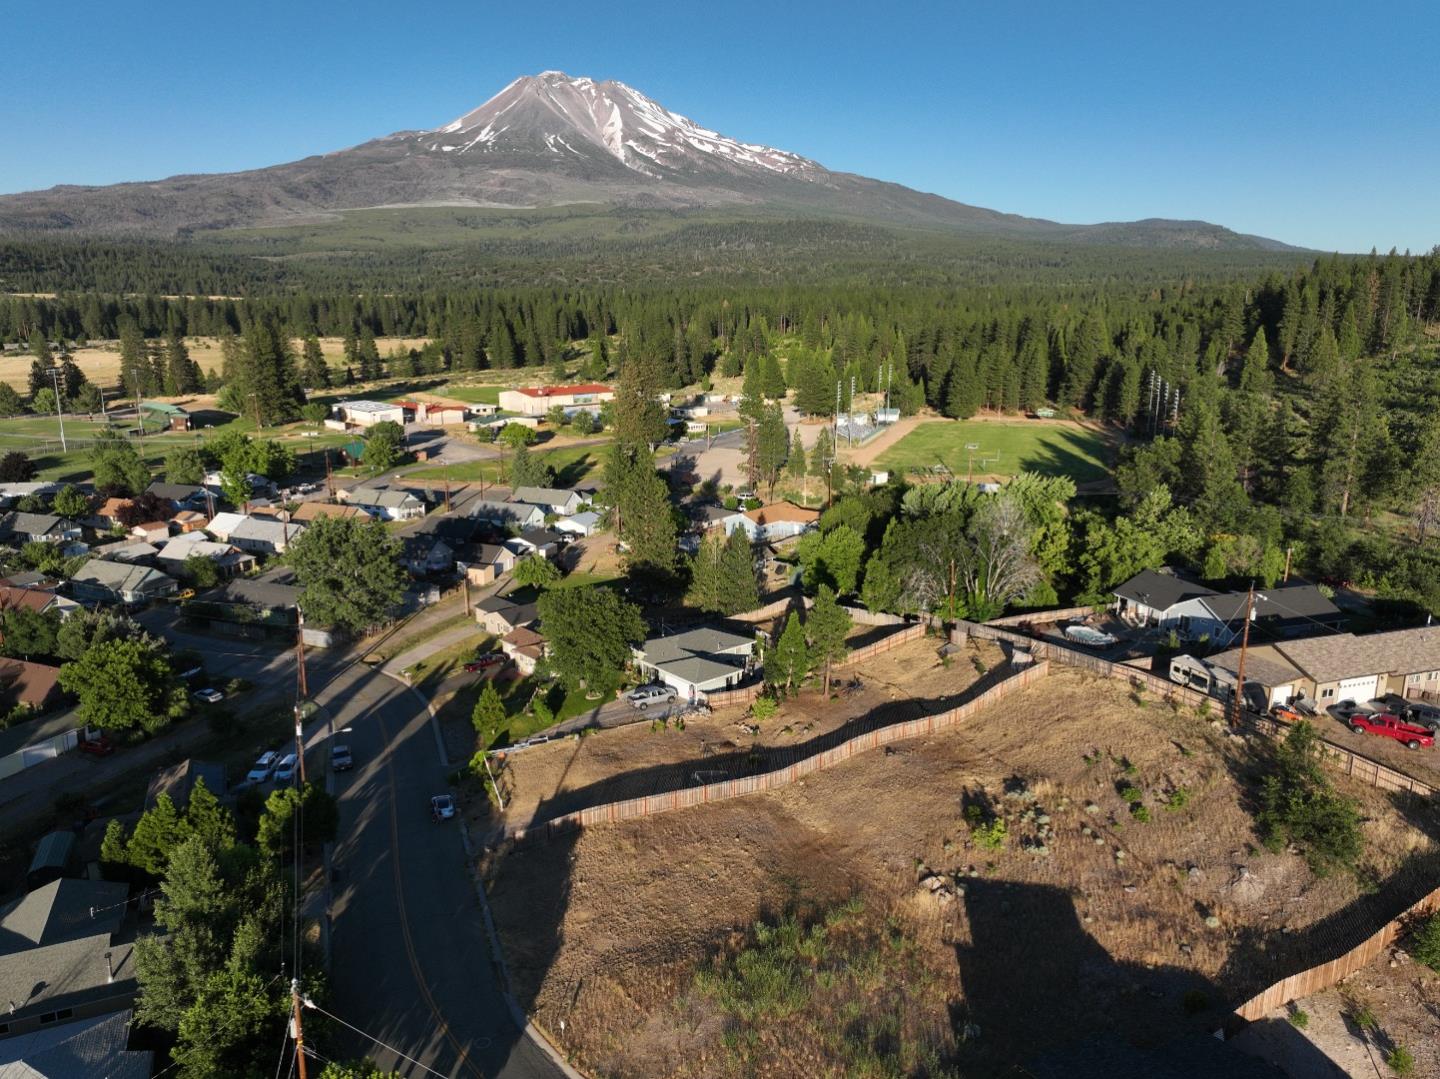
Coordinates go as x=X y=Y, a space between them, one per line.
x=550 y=140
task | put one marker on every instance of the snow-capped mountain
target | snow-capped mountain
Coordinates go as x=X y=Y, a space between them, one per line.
x=555 y=113
x=549 y=140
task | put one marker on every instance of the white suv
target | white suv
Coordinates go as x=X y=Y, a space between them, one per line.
x=263 y=768
x=645 y=696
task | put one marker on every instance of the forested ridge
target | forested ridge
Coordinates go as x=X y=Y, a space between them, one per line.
x=1280 y=410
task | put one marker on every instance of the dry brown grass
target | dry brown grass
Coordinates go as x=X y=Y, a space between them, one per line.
x=607 y=928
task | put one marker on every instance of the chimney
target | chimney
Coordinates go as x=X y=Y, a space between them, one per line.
x=109 y=968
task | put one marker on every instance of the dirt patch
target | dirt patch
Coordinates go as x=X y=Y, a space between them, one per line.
x=1095 y=918
x=645 y=757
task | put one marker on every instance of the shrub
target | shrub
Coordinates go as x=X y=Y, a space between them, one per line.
x=1298 y=806
x=1364 y=1018
x=1140 y=813
x=1132 y=794
x=990 y=835
x=1178 y=800
x=1401 y=1060
x=763 y=707
x=1300 y=1019
x=1426 y=946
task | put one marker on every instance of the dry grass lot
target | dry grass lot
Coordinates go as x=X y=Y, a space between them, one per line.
x=632 y=761
x=950 y=954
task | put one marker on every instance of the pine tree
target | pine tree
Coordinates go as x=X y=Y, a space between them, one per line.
x=159 y=830
x=316 y=372
x=739 y=589
x=788 y=662
x=488 y=715
x=208 y=820
x=707 y=574
x=772 y=443
x=826 y=629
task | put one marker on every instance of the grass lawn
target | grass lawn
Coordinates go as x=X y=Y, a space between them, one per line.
x=1049 y=448
x=571 y=464
x=476 y=395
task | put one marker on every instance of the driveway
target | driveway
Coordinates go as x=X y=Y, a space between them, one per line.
x=411 y=964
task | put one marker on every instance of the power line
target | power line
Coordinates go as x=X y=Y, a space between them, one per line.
x=404 y=1056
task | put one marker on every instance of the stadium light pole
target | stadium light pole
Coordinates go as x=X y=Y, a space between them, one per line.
x=59 y=410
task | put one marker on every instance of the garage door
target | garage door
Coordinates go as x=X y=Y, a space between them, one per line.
x=1282 y=694
x=1358 y=689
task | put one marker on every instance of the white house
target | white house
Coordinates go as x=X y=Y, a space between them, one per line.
x=508 y=514
x=581 y=524
x=222 y=524
x=553 y=499
x=21 y=528
x=1163 y=600
x=99 y=581
x=387 y=503
x=538 y=400
x=777 y=521
x=697 y=661
x=265 y=535
x=226 y=557
x=369 y=413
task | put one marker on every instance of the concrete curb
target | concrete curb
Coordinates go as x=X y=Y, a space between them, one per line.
x=502 y=972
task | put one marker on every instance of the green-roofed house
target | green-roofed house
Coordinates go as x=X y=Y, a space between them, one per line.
x=173 y=416
x=353 y=452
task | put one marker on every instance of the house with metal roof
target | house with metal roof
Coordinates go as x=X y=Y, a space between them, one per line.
x=580 y=524
x=697 y=661
x=387 y=503
x=518 y=515
x=99 y=581
x=553 y=499
x=369 y=413
x=64 y=955
x=53 y=857
x=265 y=535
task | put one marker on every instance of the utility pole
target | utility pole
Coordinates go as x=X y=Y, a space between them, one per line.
x=1286 y=577
x=297 y=1030
x=1240 y=674
x=302 y=691
x=970 y=448
x=59 y=411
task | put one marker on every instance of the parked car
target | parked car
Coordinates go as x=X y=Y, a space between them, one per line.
x=1343 y=710
x=655 y=693
x=442 y=807
x=208 y=695
x=479 y=663
x=1410 y=735
x=340 y=759
x=1422 y=715
x=99 y=746
x=263 y=768
x=285 y=770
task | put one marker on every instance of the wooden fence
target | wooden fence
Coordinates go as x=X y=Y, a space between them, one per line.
x=884 y=644
x=1334 y=971
x=735 y=788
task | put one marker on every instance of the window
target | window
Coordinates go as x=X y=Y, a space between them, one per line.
x=1326 y=694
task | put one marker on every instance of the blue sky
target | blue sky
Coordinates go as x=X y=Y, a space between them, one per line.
x=1316 y=123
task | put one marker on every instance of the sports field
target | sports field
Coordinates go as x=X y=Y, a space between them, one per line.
x=1002 y=449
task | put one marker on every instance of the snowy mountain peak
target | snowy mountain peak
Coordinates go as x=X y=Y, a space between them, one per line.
x=555 y=113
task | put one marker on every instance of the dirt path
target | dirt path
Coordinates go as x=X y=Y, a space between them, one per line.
x=885 y=439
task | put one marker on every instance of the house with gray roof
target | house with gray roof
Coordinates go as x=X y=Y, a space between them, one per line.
x=555 y=500
x=99 y=581
x=19 y=529
x=697 y=661
x=1171 y=602
x=76 y=1050
x=387 y=503
x=265 y=535
x=64 y=955
x=517 y=515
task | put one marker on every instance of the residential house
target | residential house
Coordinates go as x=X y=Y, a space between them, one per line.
x=538 y=400
x=265 y=536
x=183 y=496
x=65 y=954
x=482 y=563
x=552 y=499
x=188 y=521
x=222 y=524
x=39 y=600
x=1193 y=611
x=426 y=553
x=369 y=413
x=774 y=522
x=97 y=1046
x=19 y=529
x=454 y=528
x=35 y=686
x=541 y=541
x=581 y=524
x=273 y=591
x=179 y=780
x=710 y=516
x=387 y=503
x=152 y=532
x=228 y=559
x=10 y=493
x=54 y=858
x=107 y=516
x=517 y=515
x=697 y=661
x=525 y=647
x=1341 y=666
x=99 y=581
x=133 y=551
x=311 y=511
x=499 y=615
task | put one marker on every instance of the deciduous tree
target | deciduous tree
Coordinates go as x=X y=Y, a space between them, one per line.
x=590 y=631
x=124 y=684
x=349 y=572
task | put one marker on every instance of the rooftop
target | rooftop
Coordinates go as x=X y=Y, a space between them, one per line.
x=703 y=640
x=310 y=511
x=118 y=576
x=86 y=1047
x=564 y=391
x=1160 y=591
x=368 y=406
x=783 y=511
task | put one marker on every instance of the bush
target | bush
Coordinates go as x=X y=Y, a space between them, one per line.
x=1401 y=1060
x=1426 y=945
x=990 y=835
x=1299 y=1019
x=763 y=707
x=1364 y=1018
x=1140 y=813
x=1298 y=806
x=1178 y=800
x=1132 y=794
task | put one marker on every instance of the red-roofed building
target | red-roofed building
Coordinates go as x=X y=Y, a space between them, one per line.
x=537 y=400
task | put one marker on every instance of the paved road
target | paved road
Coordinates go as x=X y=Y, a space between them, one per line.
x=411 y=963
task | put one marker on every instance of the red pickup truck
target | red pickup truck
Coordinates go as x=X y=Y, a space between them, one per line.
x=1382 y=723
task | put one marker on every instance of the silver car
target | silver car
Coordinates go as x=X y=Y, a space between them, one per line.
x=645 y=696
